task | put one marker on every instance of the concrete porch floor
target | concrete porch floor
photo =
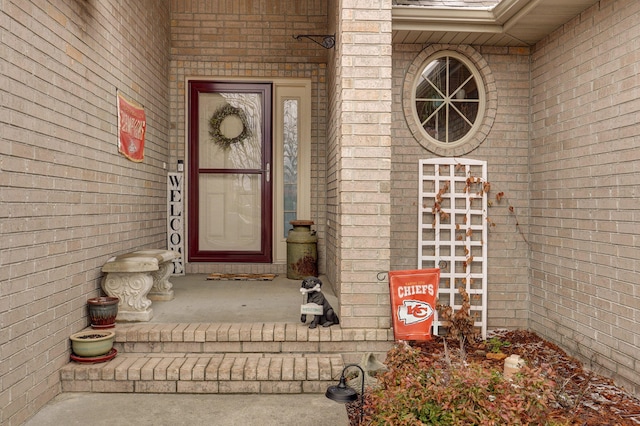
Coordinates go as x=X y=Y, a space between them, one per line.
x=198 y=300
x=114 y=409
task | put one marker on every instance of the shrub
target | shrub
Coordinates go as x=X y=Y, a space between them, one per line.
x=495 y=345
x=419 y=389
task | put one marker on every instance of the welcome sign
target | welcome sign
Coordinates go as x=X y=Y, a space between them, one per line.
x=413 y=300
x=175 y=219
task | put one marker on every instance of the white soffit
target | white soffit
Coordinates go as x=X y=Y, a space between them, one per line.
x=509 y=23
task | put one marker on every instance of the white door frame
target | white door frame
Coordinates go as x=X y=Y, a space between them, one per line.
x=283 y=89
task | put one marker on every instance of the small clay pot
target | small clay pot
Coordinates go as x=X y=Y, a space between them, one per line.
x=103 y=311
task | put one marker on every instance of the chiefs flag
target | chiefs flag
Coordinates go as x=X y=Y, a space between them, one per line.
x=132 y=126
x=413 y=302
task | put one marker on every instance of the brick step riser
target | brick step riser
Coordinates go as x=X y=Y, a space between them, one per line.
x=202 y=387
x=204 y=374
x=272 y=338
x=250 y=332
x=226 y=358
x=253 y=347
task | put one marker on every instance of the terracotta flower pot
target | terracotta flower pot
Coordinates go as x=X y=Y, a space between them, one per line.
x=92 y=343
x=103 y=311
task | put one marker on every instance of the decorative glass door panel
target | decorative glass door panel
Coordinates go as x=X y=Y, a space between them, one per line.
x=230 y=172
x=290 y=162
x=237 y=223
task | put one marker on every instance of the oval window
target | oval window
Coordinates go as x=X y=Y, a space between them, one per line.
x=449 y=104
x=449 y=99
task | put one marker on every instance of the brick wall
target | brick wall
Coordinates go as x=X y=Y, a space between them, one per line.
x=252 y=40
x=68 y=199
x=585 y=218
x=362 y=148
x=332 y=151
x=505 y=148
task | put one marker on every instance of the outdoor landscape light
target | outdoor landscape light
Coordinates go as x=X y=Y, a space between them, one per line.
x=343 y=393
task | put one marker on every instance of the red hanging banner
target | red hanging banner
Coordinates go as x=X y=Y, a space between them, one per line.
x=132 y=126
x=413 y=302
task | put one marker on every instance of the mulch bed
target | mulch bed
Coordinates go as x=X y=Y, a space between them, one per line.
x=586 y=398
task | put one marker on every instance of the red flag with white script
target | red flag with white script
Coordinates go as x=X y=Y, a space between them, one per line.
x=132 y=125
x=413 y=302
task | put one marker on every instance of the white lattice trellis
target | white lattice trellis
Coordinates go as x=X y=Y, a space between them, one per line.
x=452 y=231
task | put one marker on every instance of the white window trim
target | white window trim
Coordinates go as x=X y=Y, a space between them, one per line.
x=300 y=91
x=490 y=105
x=481 y=98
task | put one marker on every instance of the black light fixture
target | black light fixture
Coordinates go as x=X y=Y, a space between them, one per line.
x=343 y=393
x=328 y=41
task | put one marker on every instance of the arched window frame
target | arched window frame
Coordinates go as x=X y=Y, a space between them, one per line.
x=487 y=105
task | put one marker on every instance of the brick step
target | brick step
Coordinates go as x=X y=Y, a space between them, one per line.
x=250 y=338
x=197 y=373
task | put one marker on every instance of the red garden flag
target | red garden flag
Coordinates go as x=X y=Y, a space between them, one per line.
x=413 y=302
x=132 y=126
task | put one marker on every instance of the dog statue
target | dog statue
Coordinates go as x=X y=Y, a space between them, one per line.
x=311 y=288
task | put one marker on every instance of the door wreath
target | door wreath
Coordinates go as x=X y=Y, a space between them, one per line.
x=216 y=121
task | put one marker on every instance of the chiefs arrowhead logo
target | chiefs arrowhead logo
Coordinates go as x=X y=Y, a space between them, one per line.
x=414 y=311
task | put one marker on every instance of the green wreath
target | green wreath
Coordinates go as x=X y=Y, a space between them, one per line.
x=216 y=121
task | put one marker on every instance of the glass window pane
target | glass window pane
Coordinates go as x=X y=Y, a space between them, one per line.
x=229 y=123
x=230 y=216
x=290 y=198
x=447 y=99
x=436 y=125
x=288 y=217
x=290 y=162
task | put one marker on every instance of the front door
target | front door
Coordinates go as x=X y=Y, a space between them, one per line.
x=230 y=184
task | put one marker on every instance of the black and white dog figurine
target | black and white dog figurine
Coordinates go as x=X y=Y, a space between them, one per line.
x=311 y=287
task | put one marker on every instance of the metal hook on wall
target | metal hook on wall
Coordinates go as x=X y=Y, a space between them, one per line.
x=328 y=41
x=382 y=275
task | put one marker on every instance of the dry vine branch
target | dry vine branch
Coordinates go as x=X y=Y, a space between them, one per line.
x=461 y=324
x=512 y=211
